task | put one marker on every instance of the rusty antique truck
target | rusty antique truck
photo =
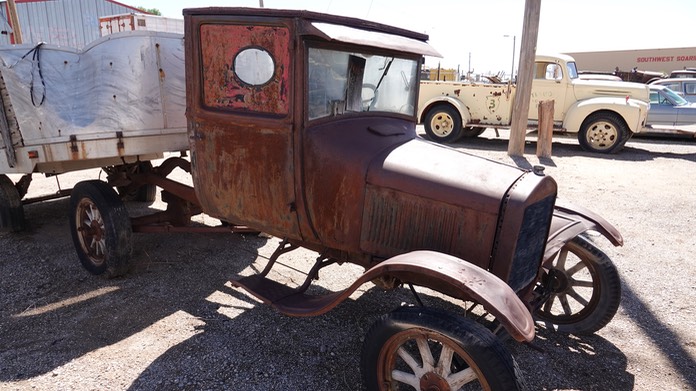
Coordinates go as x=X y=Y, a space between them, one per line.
x=303 y=125
x=604 y=114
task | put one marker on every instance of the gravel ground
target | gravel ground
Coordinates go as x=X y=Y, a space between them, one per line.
x=175 y=322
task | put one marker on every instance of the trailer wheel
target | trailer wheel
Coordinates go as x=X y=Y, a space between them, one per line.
x=423 y=349
x=584 y=287
x=11 y=209
x=603 y=133
x=443 y=124
x=101 y=229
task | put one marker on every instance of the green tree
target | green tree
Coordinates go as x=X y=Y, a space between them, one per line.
x=153 y=11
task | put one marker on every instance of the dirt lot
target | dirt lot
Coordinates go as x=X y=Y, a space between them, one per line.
x=175 y=322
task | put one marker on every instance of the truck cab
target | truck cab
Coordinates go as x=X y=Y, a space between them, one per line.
x=303 y=125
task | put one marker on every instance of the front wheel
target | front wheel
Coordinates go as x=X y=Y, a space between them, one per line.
x=584 y=289
x=101 y=229
x=443 y=124
x=427 y=349
x=603 y=133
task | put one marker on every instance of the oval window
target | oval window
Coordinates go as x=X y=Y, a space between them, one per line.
x=254 y=66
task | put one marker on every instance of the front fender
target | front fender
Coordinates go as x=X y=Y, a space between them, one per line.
x=441 y=272
x=570 y=221
x=461 y=280
x=633 y=112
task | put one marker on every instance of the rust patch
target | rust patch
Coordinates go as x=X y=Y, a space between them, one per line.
x=223 y=89
x=457 y=91
x=74 y=150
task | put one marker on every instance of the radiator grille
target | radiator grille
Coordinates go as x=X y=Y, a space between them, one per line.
x=531 y=243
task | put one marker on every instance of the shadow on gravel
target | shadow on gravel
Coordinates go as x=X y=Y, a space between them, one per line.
x=53 y=311
x=261 y=349
x=671 y=345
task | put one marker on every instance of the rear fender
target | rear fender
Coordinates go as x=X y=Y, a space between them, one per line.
x=446 y=100
x=570 y=221
x=461 y=280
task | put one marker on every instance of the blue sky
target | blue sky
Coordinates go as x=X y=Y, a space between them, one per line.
x=458 y=28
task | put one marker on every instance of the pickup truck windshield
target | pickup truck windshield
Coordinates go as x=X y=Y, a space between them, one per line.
x=343 y=82
x=572 y=70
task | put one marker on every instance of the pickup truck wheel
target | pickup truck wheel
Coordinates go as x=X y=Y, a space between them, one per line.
x=443 y=124
x=426 y=349
x=585 y=289
x=472 y=131
x=101 y=229
x=11 y=209
x=603 y=133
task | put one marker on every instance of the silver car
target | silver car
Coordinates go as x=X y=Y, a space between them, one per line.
x=670 y=112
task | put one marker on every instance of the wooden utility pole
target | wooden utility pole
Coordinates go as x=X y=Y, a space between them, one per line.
x=525 y=75
x=14 y=19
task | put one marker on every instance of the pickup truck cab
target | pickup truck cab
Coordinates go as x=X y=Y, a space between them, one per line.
x=604 y=114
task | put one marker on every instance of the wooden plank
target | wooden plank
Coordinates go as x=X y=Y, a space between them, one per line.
x=545 y=133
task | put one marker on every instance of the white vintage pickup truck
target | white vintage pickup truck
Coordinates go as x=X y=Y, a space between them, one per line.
x=604 y=114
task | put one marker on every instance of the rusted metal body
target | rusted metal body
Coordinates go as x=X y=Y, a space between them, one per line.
x=354 y=186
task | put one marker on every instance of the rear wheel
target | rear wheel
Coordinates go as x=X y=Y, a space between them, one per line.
x=603 y=133
x=426 y=349
x=584 y=288
x=100 y=228
x=11 y=209
x=443 y=124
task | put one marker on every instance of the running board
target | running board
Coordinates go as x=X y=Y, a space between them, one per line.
x=288 y=300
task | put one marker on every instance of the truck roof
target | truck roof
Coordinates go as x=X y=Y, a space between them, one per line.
x=552 y=57
x=335 y=28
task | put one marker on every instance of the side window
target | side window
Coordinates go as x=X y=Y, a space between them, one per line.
x=553 y=72
x=690 y=88
x=654 y=98
x=246 y=68
x=674 y=87
x=547 y=71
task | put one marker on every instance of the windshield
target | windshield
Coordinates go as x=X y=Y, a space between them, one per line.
x=572 y=70
x=676 y=98
x=342 y=82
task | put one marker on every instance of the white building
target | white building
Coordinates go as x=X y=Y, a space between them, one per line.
x=655 y=60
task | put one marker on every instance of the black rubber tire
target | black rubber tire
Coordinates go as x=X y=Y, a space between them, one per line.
x=144 y=193
x=443 y=124
x=101 y=229
x=475 y=349
x=472 y=131
x=603 y=132
x=11 y=209
x=602 y=298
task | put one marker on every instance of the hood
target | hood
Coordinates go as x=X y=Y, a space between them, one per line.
x=443 y=174
x=601 y=88
x=422 y=195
